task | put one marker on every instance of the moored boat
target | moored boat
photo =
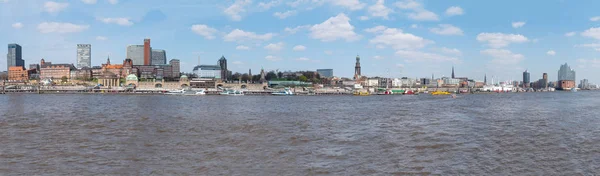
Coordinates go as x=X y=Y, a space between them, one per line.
x=232 y=92
x=440 y=93
x=285 y=92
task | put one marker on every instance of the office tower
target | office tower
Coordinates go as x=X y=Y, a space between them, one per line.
x=223 y=64
x=136 y=54
x=14 y=56
x=84 y=55
x=159 y=57
x=526 y=78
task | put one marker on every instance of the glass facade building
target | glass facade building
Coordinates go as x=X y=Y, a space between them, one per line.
x=208 y=71
x=84 y=55
x=159 y=57
x=136 y=54
x=526 y=78
x=14 y=56
x=325 y=73
x=566 y=73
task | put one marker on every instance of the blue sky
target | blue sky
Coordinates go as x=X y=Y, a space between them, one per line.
x=412 y=38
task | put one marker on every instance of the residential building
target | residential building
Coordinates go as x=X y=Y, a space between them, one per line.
x=425 y=81
x=325 y=73
x=159 y=57
x=136 y=54
x=14 y=56
x=147 y=52
x=545 y=78
x=208 y=71
x=84 y=55
x=175 y=68
x=584 y=84
x=17 y=73
x=566 y=77
x=450 y=82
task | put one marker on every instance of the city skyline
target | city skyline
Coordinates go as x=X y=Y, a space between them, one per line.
x=409 y=38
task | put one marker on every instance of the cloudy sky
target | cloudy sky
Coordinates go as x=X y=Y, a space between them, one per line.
x=412 y=38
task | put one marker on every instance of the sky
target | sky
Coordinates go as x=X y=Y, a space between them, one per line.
x=404 y=38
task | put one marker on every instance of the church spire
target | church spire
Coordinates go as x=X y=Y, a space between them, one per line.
x=108 y=60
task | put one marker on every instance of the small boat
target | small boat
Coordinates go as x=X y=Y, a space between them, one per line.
x=232 y=93
x=409 y=92
x=440 y=93
x=285 y=92
x=573 y=89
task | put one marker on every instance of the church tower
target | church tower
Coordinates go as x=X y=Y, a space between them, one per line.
x=357 y=73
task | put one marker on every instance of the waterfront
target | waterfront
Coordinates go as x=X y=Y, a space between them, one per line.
x=553 y=133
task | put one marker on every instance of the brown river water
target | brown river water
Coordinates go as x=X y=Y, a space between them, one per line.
x=554 y=133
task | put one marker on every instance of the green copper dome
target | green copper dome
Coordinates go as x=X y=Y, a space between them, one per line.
x=132 y=77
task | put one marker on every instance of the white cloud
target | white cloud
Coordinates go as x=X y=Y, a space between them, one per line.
x=596 y=18
x=418 y=12
x=396 y=38
x=500 y=40
x=502 y=56
x=204 y=30
x=334 y=28
x=240 y=35
x=400 y=65
x=272 y=58
x=551 y=53
x=54 y=27
x=414 y=26
x=119 y=21
x=592 y=33
x=286 y=14
x=595 y=46
x=454 y=10
x=446 y=29
x=274 y=46
x=328 y=52
x=377 y=57
x=89 y=1
x=17 y=25
x=349 y=4
x=408 y=4
x=363 y=18
x=593 y=63
x=101 y=38
x=236 y=9
x=518 y=24
x=380 y=10
x=423 y=15
x=237 y=62
x=113 y=2
x=299 y=48
x=450 y=51
x=417 y=56
x=268 y=5
x=55 y=7
x=242 y=47
x=296 y=29
x=303 y=59
x=570 y=34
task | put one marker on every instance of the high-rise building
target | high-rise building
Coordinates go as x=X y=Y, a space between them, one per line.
x=357 y=73
x=147 y=52
x=14 y=56
x=175 y=67
x=566 y=77
x=453 y=72
x=84 y=55
x=526 y=78
x=159 y=57
x=545 y=78
x=485 y=79
x=223 y=64
x=136 y=54
x=325 y=73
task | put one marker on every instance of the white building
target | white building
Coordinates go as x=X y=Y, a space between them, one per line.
x=84 y=55
x=208 y=71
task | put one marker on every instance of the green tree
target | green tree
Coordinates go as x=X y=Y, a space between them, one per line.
x=64 y=79
x=303 y=78
x=246 y=77
x=279 y=75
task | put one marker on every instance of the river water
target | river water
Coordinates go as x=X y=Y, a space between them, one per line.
x=490 y=134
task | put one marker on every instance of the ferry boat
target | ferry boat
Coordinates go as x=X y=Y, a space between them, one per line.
x=440 y=93
x=361 y=93
x=232 y=93
x=285 y=92
x=175 y=92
